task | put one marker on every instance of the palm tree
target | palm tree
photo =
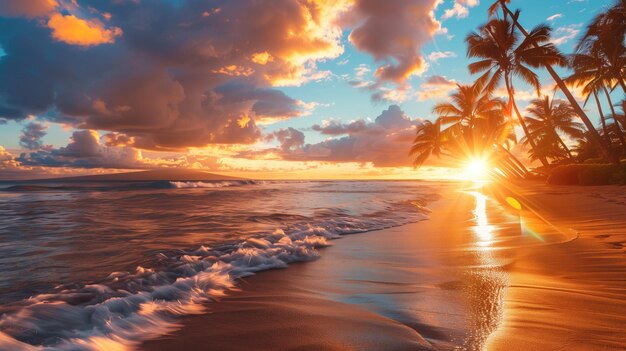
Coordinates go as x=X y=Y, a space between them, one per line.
x=504 y=57
x=470 y=109
x=429 y=141
x=475 y=127
x=594 y=136
x=469 y=105
x=548 y=148
x=547 y=119
x=601 y=39
x=592 y=73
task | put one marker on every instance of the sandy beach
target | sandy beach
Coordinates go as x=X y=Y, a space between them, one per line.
x=477 y=275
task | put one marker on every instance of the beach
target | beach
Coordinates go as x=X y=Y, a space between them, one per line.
x=314 y=265
x=476 y=275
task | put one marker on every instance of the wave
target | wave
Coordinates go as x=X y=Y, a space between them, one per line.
x=136 y=185
x=127 y=308
x=29 y=188
x=212 y=184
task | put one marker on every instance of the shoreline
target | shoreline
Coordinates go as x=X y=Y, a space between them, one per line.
x=463 y=278
x=382 y=290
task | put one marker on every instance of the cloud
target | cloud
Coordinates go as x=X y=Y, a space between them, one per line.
x=27 y=8
x=175 y=79
x=382 y=143
x=84 y=151
x=457 y=10
x=31 y=136
x=393 y=32
x=262 y=58
x=175 y=75
x=435 y=87
x=66 y=28
x=566 y=33
x=288 y=138
x=555 y=16
x=437 y=55
x=460 y=9
x=7 y=161
x=73 y=30
x=337 y=128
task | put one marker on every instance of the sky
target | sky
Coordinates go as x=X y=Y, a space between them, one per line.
x=260 y=89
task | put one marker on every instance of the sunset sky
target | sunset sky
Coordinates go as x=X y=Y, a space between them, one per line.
x=261 y=89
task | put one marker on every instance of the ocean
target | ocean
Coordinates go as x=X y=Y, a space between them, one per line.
x=115 y=263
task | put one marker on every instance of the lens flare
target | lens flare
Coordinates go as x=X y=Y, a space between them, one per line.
x=514 y=203
x=476 y=169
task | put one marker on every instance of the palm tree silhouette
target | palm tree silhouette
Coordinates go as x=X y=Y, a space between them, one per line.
x=601 y=40
x=429 y=140
x=546 y=119
x=504 y=57
x=475 y=128
x=593 y=134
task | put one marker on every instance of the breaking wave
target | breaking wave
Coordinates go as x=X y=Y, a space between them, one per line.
x=213 y=184
x=127 y=308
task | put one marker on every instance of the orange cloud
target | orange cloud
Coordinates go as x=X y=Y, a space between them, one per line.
x=436 y=87
x=262 y=58
x=27 y=8
x=75 y=31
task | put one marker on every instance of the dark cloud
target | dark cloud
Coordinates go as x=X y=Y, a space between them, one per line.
x=169 y=75
x=384 y=143
x=288 y=138
x=338 y=128
x=85 y=151
x=394 y=32
x=27 y=8
x=176 y=74
x=31 y=136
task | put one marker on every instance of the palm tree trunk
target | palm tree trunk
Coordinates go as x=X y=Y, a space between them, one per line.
x=621 y=82
x=607 y=136
x=509 y=168
x=519 y=164
x=531 y=140
x=593 y=133
x=569 y=153
x=618 y=130
x=513 y=168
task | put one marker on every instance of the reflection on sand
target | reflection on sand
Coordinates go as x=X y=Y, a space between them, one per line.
x=483 y=229
x=486 y=281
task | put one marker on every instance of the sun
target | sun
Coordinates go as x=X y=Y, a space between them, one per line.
x=477 y=170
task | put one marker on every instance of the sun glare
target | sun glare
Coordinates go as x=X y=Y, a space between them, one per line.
x=477 y=170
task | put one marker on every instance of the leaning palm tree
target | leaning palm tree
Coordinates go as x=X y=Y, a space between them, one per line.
x=546 y=120
x=429 y=141
x=602 y=39
x=504 y=57
x=594 y=136
x=592 y=73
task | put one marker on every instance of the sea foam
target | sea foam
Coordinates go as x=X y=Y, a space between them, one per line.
x=213 y=184
x=127 y=308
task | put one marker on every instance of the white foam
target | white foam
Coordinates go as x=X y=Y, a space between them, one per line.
x=130 y=307
x=214 y=184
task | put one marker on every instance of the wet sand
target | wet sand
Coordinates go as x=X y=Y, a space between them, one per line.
x=477 y=275
x=569 y=296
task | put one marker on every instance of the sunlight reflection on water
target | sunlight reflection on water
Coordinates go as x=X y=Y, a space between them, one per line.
x=487 y=281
